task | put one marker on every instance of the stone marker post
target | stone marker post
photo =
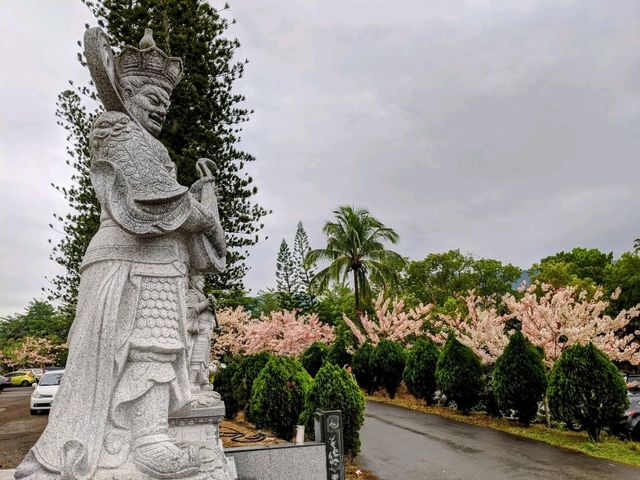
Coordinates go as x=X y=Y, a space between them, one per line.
x=328 y=429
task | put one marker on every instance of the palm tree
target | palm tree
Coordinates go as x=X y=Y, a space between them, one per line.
x=355 y=244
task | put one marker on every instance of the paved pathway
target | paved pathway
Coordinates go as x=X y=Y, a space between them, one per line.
x=403 y=444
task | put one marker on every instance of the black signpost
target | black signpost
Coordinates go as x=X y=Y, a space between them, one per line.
x=328 y=429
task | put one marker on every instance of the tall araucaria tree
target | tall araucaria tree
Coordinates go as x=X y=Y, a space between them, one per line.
x=285 y=274
x=304 y=272
x=204 y=120
x=355 y=246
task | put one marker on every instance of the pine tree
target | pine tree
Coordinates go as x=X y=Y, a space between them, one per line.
x=285 y=277
x=586 y=387
x=204 y=121
x=83 y=221
x=519 y=378
x=303 y=272
x=459 y=374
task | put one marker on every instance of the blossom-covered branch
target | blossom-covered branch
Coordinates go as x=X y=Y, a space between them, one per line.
x=390 y=322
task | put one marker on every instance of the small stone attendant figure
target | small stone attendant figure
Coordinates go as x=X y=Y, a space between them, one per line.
x=202 y=320
x=128 y=368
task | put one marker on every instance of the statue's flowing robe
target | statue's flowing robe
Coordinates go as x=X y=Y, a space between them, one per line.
x=132 y=296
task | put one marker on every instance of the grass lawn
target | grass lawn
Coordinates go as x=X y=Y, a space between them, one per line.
x=609 y=448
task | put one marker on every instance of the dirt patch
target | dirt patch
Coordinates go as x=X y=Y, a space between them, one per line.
x=354 y=472
x=240 y=433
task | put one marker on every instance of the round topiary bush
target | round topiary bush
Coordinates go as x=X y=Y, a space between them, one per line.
x=244 y=378
x=361 y=367
x=278 y=396
x=585 y=387
x=314 y=357
x=388 y=361
x=334 y=389
x=459 y=374
x=519 y=378
x=223 y=383
x=420 y=371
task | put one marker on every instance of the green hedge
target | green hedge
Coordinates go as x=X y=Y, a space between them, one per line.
x=243 y=379
x=223 y=383
x=519 y=378
x=585 y=387
x=334 y=389
x=314 y=357
x=420 y=371
x=278 y=396
x=362 y=370
x=338 y=353
x=388 y=361
x=459 y=374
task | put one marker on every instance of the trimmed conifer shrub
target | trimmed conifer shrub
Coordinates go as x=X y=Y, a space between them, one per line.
x=223 y=384
x=334 y=389
x=314 y=357
x=519 y=378
x=459 y=374
x=388 y=361
x=420 y=370
x=362 y=370
x=338 y=353
x=243 y=379
x=585 y=387
x=278 y=396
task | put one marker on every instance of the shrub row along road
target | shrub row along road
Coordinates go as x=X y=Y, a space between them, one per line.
x=400 y=443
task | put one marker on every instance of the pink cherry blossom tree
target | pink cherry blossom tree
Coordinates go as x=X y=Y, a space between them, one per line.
x=391 y=321
x=31 y=352
x=233 y=322
x=284 y=333
x=479 y=326
x=558 y=318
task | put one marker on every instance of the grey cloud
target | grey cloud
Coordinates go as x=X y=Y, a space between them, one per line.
x=507 y=129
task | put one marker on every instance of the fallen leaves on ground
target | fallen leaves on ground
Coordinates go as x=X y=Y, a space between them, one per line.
x=354 y=472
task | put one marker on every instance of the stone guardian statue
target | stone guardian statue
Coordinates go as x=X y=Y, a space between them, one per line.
x=128 y=366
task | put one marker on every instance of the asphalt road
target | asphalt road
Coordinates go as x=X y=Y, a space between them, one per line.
x=403 y=444
x=18 y=429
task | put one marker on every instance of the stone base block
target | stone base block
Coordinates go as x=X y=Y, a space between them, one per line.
x=280 y=462
x=199 y=425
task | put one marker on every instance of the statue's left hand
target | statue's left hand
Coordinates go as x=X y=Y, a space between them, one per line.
x=205 y=168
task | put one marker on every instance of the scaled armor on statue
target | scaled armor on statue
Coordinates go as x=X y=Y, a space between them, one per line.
x=128 y=365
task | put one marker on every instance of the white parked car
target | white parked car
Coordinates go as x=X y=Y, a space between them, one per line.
x=45 y=391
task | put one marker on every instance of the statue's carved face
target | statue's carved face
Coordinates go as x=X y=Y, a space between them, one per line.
x=148 y=105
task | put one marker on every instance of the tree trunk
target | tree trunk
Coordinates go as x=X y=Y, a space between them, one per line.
x=594 y=433
x=356 y=290
x=547 y=413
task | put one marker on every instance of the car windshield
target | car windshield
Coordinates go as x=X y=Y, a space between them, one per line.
x=51 y=379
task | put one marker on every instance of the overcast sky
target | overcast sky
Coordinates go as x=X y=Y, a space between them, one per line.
x=508 y=129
